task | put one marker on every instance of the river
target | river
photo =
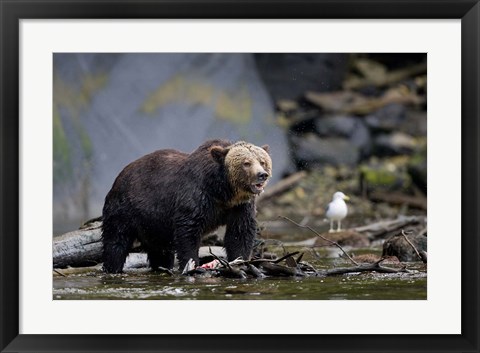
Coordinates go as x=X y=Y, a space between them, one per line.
x=143 y=284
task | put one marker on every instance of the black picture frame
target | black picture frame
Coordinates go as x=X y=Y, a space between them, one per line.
x=12 y=11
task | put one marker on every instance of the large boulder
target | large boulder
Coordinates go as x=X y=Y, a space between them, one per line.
x=311 y=151
x=290 y=75
x=387 y=118
x=334 y=140
x=348 y=127
x=401 y=248
x=110 y=109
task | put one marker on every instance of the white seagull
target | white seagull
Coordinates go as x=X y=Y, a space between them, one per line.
x=337 y=210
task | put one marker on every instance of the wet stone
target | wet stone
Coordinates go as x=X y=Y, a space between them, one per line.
x=415 y=123
x=343 y=126
x=349 y=127
x=311 y=151
x=398 y=246
x=387 y=118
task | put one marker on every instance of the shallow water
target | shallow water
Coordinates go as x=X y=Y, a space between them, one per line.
x=142 y=284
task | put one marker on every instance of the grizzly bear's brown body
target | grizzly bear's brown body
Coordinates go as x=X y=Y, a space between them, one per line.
x=169 y=199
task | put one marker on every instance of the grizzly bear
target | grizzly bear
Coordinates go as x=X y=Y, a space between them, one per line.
x=169 y=199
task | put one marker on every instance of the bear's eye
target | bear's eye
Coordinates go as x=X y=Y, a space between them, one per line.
x=247 y=164
x=262 y=163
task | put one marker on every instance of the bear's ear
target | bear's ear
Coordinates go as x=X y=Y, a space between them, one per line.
x=266 y=148
x=218 y=153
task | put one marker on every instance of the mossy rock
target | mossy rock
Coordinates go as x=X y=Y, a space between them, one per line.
x=385 y=175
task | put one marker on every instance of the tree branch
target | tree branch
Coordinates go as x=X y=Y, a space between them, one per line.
x=413 y=246
x=321 y=236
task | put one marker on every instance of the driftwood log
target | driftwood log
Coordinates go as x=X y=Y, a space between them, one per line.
x=387 y=78
x=382 y=228
x=349 y=102
x=81 y=247
x=400 y=199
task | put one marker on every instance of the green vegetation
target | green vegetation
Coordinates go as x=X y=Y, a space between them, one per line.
x=388 y=175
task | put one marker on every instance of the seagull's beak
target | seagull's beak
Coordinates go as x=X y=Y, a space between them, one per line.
x=345 y=197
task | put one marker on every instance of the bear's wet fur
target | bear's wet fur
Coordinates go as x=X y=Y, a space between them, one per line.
x=169 y=199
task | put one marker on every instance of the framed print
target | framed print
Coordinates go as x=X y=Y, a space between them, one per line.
x=88 y=88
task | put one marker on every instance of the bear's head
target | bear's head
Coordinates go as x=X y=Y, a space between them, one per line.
x=248 y=167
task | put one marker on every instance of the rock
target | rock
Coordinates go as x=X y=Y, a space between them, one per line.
x=415 y=123
x=397 y=60
x=393 y=144
x=289 y=76
x=342 y=126
x=110 y=109
x=311 y=151
x=344 y=238
x=399 y=247
x=387 y=118
x=345 y=126
x=417 y=168
x=384 y=175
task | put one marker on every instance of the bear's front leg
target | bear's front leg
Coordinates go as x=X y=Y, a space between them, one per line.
x=241 y=231
x=187 y=244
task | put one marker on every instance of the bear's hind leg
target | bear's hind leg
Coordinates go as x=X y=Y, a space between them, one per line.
x=187 y=243
x=116 y=246
x=163 y=257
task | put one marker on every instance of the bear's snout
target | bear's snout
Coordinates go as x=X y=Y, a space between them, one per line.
x=262 y=176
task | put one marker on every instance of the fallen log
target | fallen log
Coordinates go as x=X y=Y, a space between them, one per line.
x=81 y=247
x=348 y=102
x=275 y=270
x=379 y=229
x=400 y=199
x=74 y=271
x=255 y=272
x=133 y=261
x=387 y=79
x=375 y=267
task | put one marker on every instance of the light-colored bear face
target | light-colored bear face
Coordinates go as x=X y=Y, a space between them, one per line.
x=249 y=168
